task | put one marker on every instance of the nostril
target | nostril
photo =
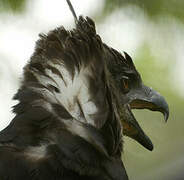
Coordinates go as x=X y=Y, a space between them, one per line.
x=147 y=91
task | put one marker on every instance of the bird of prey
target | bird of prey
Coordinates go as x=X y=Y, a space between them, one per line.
x=74 y=107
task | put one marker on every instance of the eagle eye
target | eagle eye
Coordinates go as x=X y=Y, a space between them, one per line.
x=125 y=84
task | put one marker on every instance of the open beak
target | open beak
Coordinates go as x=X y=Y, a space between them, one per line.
x=142 y=98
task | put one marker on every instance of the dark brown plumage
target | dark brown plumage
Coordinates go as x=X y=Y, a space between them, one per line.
x=75 y=94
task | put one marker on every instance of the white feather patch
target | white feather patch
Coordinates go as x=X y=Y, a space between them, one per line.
x=71 y=91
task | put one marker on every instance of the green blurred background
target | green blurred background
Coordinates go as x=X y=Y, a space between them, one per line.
x=157 y=47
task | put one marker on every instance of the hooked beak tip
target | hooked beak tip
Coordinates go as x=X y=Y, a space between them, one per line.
x=166 y=116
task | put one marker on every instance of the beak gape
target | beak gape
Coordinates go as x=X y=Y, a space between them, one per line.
x=142 y=98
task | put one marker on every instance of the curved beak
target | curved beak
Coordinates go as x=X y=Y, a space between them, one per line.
x=147 y=98
x=142 y=98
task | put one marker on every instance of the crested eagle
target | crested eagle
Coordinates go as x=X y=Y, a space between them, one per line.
x=74 y=107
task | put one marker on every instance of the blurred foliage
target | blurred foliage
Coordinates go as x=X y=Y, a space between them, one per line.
x=12 y=5
x=157 y=75
x=154 y=8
